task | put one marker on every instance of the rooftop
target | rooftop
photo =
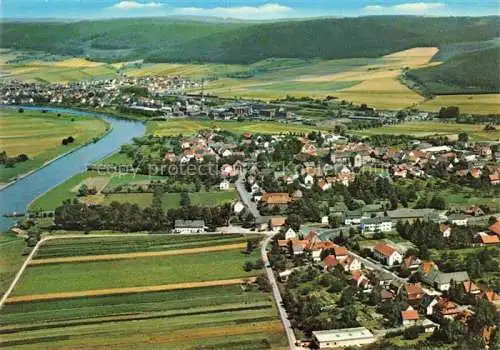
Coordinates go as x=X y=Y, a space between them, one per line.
x=342 y=334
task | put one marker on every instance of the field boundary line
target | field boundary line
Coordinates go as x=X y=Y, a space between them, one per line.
x=129 y=290
x=136 y=255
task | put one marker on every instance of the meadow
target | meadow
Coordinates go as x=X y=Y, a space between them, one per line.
x=89 y=246
x=39 y=136
x=186 y=127
x=476 y=104
x=63 y=71
x=55 y=197
x=427 y=128
x=73 y=277
x=11 y=258
x=171 y=200
x=215 y=317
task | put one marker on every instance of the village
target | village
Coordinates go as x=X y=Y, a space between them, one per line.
x=384 y=237
x=355 y=212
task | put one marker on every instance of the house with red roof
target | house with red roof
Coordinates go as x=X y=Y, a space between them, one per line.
x=340 y=252
x=386 y=254
x=485 y=239
x=446 y=309
x=495 y=228
x=471 y=288
x=409 y=317
x=492 y=296
x=412 y=293
x=330 y=262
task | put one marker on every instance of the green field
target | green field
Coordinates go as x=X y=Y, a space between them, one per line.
x=120 y=244
x=186 y=127
x=54 y=197
x=225 y=317
x=70 y=277
x=11 y=258
x=171 y=200
x=214 y=318
x=39 y=136
x=420 y=129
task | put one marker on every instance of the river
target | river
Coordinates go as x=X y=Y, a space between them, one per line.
x=17 y=197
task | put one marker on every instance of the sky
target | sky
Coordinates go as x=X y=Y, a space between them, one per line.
x=243 y=9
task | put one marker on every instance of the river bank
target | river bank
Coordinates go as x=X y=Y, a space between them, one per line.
x=17 y=196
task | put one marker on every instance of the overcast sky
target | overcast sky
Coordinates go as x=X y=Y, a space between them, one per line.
x=245 y=9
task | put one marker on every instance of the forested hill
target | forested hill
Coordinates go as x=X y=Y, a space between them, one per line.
x=471 y=72
x=175 y=40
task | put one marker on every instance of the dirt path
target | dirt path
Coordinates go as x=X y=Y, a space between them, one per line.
x=92 y=258
x=130 y=290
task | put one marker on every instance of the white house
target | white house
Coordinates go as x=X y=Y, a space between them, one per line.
x=381 y=224
x=224 y=185
x=189 y=226
x=427 y=304
x=445 y=230
x=290 y=234
x=409 y=317
x=459 y=220
x=238 y=207
x=387 y=254
x=308 y=180
x=255 y=188
x=340 y=338
x=351 y=264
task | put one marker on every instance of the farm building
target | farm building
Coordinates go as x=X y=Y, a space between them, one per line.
x=189 y=226
x=339 y=338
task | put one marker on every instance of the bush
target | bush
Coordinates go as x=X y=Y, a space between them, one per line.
x=411 y=332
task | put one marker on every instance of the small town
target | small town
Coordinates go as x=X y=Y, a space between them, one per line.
x=249 y=175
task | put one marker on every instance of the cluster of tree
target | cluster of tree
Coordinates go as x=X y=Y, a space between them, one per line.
x=369 y=188
x=85 y=190
x=426 y=234
x=476 y=263
x=73 y=215
x=435 y=202
x=9 y=162
x=257 y=265
x=67 y=140
x=135 y=90
x=449 y=112
x=308 y=311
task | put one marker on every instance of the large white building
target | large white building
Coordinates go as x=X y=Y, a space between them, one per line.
x=387 y=255
x=340 y=338
x=381 y=224
x=189 y=226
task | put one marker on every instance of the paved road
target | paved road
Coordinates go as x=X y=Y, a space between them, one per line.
x=277 y=295
x=246 y=198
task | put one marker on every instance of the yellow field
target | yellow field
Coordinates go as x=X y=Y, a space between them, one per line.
x=187 y=70
x=478 y=104
x=186 y=127
x=64 y=71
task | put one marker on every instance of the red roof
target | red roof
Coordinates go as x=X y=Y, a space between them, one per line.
x=384 y=249
x=340 y=251
x=495 y=228
x=413 y=288
x=330 y=260
x=409 y=315
x=276 y=198
x=489 y=239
